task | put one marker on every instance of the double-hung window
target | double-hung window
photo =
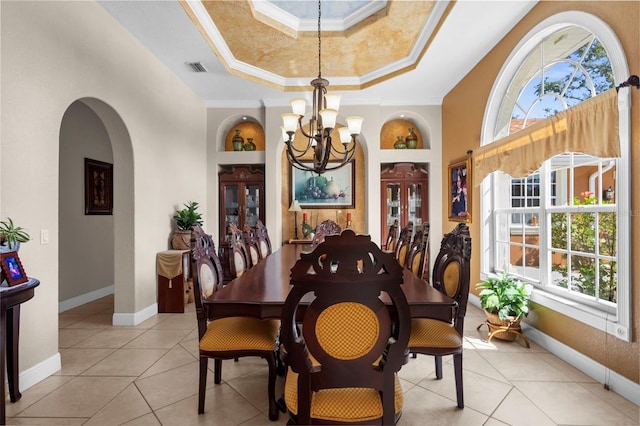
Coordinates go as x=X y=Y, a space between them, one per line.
x=561 y=228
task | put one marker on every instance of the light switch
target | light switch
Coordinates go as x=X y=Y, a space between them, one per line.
x=44 y=236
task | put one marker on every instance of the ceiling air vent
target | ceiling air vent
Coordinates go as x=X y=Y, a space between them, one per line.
x=197 y=66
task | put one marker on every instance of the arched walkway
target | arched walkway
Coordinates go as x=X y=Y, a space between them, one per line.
x=96 y=251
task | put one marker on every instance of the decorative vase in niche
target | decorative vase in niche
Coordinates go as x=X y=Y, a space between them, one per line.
x=399 y=143
x=411 y=139
x=249 y=146
x=238 y=141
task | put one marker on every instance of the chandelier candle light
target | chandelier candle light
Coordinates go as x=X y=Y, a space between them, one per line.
x=323 y=120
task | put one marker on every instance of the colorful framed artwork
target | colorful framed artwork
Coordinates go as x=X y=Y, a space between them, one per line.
x=98 y=187
x=12 y=268
x=332 y=189
x=459 y=178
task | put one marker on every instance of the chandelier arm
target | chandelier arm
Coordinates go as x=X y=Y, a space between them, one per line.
x=300 y=126
x=293 y=148
x=337 y=152
x=326 y=149
x=341 y=164
x=297 y=164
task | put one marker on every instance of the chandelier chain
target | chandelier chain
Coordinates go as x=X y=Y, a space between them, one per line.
x=319 y=42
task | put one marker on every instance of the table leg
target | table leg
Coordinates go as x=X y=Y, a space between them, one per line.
x=3 y=322
x=13 y=333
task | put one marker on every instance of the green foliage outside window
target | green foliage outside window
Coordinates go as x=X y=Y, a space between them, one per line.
x=582 y=232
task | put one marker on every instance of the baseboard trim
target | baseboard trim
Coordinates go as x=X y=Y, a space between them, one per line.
x=65 y=305
x=616 y=382
x=40 y=371
x=136 y=317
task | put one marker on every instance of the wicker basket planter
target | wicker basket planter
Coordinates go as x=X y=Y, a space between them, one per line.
x=503 y=330
x=508 y=329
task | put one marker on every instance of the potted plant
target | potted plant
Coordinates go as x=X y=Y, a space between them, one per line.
x=11 y=236
x=505 y=301
x=185 y=219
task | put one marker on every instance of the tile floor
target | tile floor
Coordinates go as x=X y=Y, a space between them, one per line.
x=148 y=375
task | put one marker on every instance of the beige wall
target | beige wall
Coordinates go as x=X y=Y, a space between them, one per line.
x=466 y=104
x=54 y=53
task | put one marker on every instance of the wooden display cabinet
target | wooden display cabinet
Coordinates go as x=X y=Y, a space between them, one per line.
x=241 y=201
x=404 y=195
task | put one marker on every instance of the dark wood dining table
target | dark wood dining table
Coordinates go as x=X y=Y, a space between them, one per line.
x=262 y=290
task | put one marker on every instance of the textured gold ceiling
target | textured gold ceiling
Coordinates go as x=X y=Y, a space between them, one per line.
x=363 y=54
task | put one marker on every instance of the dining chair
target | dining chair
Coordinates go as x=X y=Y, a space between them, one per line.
x=230 y=337
x=418 y=257
x=251 y=244
x=451 y=275
x=328 y=227
x=344 y=348
x=403 y=243
x=240 y=260
x=392 y=237
x=264 y=242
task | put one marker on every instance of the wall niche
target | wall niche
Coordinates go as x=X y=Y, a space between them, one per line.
x=399 y=127
x=248 y=129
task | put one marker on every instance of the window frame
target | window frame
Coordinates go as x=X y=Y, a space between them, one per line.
x=617 y=323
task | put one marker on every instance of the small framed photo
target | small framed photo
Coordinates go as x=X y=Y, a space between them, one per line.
x=459 y=178
x=98 y=187
x=332 y=189
x=12 y=268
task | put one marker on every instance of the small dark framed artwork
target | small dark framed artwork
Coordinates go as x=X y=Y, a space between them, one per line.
x=459 y=177
x=12 y=268
x=98 y=187
x=332 y=189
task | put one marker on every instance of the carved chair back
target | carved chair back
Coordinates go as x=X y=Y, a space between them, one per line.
x=404 y=243
x=349 y=338
x=418 y=257
x=240 y=259
x=392 y=237
x=264 y=242
x=251 y=244
x=328 y=227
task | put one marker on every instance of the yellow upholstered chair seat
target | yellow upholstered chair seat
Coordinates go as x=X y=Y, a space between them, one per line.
x=240 y=333
x=345 y=405
x=433 y=333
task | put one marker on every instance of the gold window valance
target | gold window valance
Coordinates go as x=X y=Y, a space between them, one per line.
x=590 y=127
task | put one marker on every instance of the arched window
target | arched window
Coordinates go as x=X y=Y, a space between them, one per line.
x=560 y=228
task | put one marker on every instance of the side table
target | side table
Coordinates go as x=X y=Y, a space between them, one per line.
x=172 y=267
x=10 y=300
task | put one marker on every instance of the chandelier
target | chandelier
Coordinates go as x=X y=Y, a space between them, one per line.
x=320 y=153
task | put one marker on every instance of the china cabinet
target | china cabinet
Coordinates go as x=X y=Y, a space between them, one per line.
x=241 y=201
x=404 y=195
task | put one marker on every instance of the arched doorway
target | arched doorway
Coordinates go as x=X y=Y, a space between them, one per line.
x=96 y=251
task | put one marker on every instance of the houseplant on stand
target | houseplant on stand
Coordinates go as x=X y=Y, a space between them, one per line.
x=505 y=301
x=11 y=236
x=185 y=219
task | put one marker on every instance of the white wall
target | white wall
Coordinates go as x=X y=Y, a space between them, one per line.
x=54 y=53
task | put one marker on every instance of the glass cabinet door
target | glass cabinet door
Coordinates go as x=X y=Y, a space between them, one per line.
x=393 y=203
x=252 y=205
x=232 y=214
x=414 y=202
